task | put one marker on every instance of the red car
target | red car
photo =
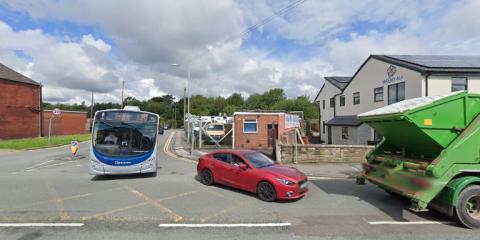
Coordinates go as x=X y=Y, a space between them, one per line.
x=254 y=172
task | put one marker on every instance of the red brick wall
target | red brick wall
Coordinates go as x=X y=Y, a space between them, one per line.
x=257 y=140
x=67 y=123
x=19 y=110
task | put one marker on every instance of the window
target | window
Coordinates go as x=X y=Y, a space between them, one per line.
x=459 y=84
x=342 y=100
x=396 y=92
x=236 y=160
x=323 y=127
x=356 y=98
x=345 y=133
x=224 y=157
x=323 y=104
x=378 y=94
x=332 y=102
x=250 y=126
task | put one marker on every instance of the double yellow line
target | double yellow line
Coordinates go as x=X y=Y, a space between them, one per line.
x=166 y=150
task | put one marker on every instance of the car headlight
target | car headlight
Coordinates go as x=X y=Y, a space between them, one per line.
x=285 y=181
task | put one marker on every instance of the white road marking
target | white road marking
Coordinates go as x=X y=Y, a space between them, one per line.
x=41 y=224
x=46 y=166
x=354 y=168
x=221 y=225
x=409 y=223
x=329 y=178
x=37 y=165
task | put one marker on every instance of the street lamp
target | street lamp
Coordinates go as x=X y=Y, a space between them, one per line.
x=188 y=104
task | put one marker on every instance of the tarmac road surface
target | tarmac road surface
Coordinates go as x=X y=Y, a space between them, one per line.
x=47 y=194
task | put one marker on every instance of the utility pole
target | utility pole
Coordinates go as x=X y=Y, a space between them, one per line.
x=123 y=89
x=184 y=105
x=188 y=109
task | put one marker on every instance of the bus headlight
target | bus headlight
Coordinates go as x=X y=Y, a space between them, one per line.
x=96 y=165
x=149 y=163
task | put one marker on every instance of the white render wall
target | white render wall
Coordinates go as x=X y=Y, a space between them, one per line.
x=326 y=114
x=373 y=75
x=474 y=84
x=441 y=85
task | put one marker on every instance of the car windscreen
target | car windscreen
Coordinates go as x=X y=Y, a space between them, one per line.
x=124 y=138
x=258 y=160
x=215 y=127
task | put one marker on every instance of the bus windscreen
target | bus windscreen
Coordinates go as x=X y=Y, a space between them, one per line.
x=124 y=133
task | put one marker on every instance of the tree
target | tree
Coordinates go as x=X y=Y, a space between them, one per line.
x=236 y=100
x=273 y=96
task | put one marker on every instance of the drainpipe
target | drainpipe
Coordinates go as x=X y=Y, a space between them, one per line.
x=335 y=104
x=426 y=83
x=41 y=112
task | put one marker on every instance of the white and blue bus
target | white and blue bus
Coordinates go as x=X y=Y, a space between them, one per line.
x=124 y=142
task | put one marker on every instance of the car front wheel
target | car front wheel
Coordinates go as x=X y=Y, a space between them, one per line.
x=266 y=192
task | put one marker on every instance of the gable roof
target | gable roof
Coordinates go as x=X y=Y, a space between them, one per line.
x=9 y=74
x=434 y=63
x=337 y=81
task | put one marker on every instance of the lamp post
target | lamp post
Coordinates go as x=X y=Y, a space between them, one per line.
x=188 y=104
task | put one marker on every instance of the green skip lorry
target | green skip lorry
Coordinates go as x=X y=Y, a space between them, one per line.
x=430 y=154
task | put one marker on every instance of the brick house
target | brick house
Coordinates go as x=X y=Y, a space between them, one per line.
x=20 y=105
x=69 y=122
x=260 y=130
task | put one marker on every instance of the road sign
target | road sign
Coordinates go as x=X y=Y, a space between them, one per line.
x=56 y=112
x=74 y=147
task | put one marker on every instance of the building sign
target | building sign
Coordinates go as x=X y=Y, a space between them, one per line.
x=292 y=121
x=391 y=71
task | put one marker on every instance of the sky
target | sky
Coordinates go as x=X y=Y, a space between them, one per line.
x=74 y=47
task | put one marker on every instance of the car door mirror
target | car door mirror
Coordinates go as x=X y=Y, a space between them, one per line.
x=242 y=166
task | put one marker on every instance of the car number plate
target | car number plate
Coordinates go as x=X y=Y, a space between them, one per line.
x=303 y=185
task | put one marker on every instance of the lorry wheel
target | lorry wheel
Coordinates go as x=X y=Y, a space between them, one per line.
x=468 y=207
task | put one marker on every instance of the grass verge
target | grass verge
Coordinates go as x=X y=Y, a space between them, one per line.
x=42 y=142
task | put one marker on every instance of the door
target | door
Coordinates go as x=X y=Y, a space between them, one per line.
x=329 y=132
x=272 y=134
x=222 y=168
x=243 y=179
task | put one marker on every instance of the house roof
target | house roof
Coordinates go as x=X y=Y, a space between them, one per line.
x=337 y=81
x=350 y=120
x=434 y=63
x=9 y=74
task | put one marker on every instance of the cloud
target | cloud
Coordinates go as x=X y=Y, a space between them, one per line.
x=98 y=44
x=148 y=36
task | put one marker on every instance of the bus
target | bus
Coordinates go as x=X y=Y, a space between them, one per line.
x=124 y=142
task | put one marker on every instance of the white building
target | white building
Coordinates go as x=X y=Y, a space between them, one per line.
x=385 y=79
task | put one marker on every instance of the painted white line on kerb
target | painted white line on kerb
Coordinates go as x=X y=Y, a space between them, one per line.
x=219 y=225
x=408 y=223
x=41 y=224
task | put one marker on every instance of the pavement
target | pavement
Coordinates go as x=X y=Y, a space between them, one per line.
x=41 y=189
x=182 y=149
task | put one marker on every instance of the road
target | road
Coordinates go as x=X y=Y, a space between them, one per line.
x=49 y=186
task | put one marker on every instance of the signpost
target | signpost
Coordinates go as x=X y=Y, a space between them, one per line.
x=74 y=147
x=56 y=113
